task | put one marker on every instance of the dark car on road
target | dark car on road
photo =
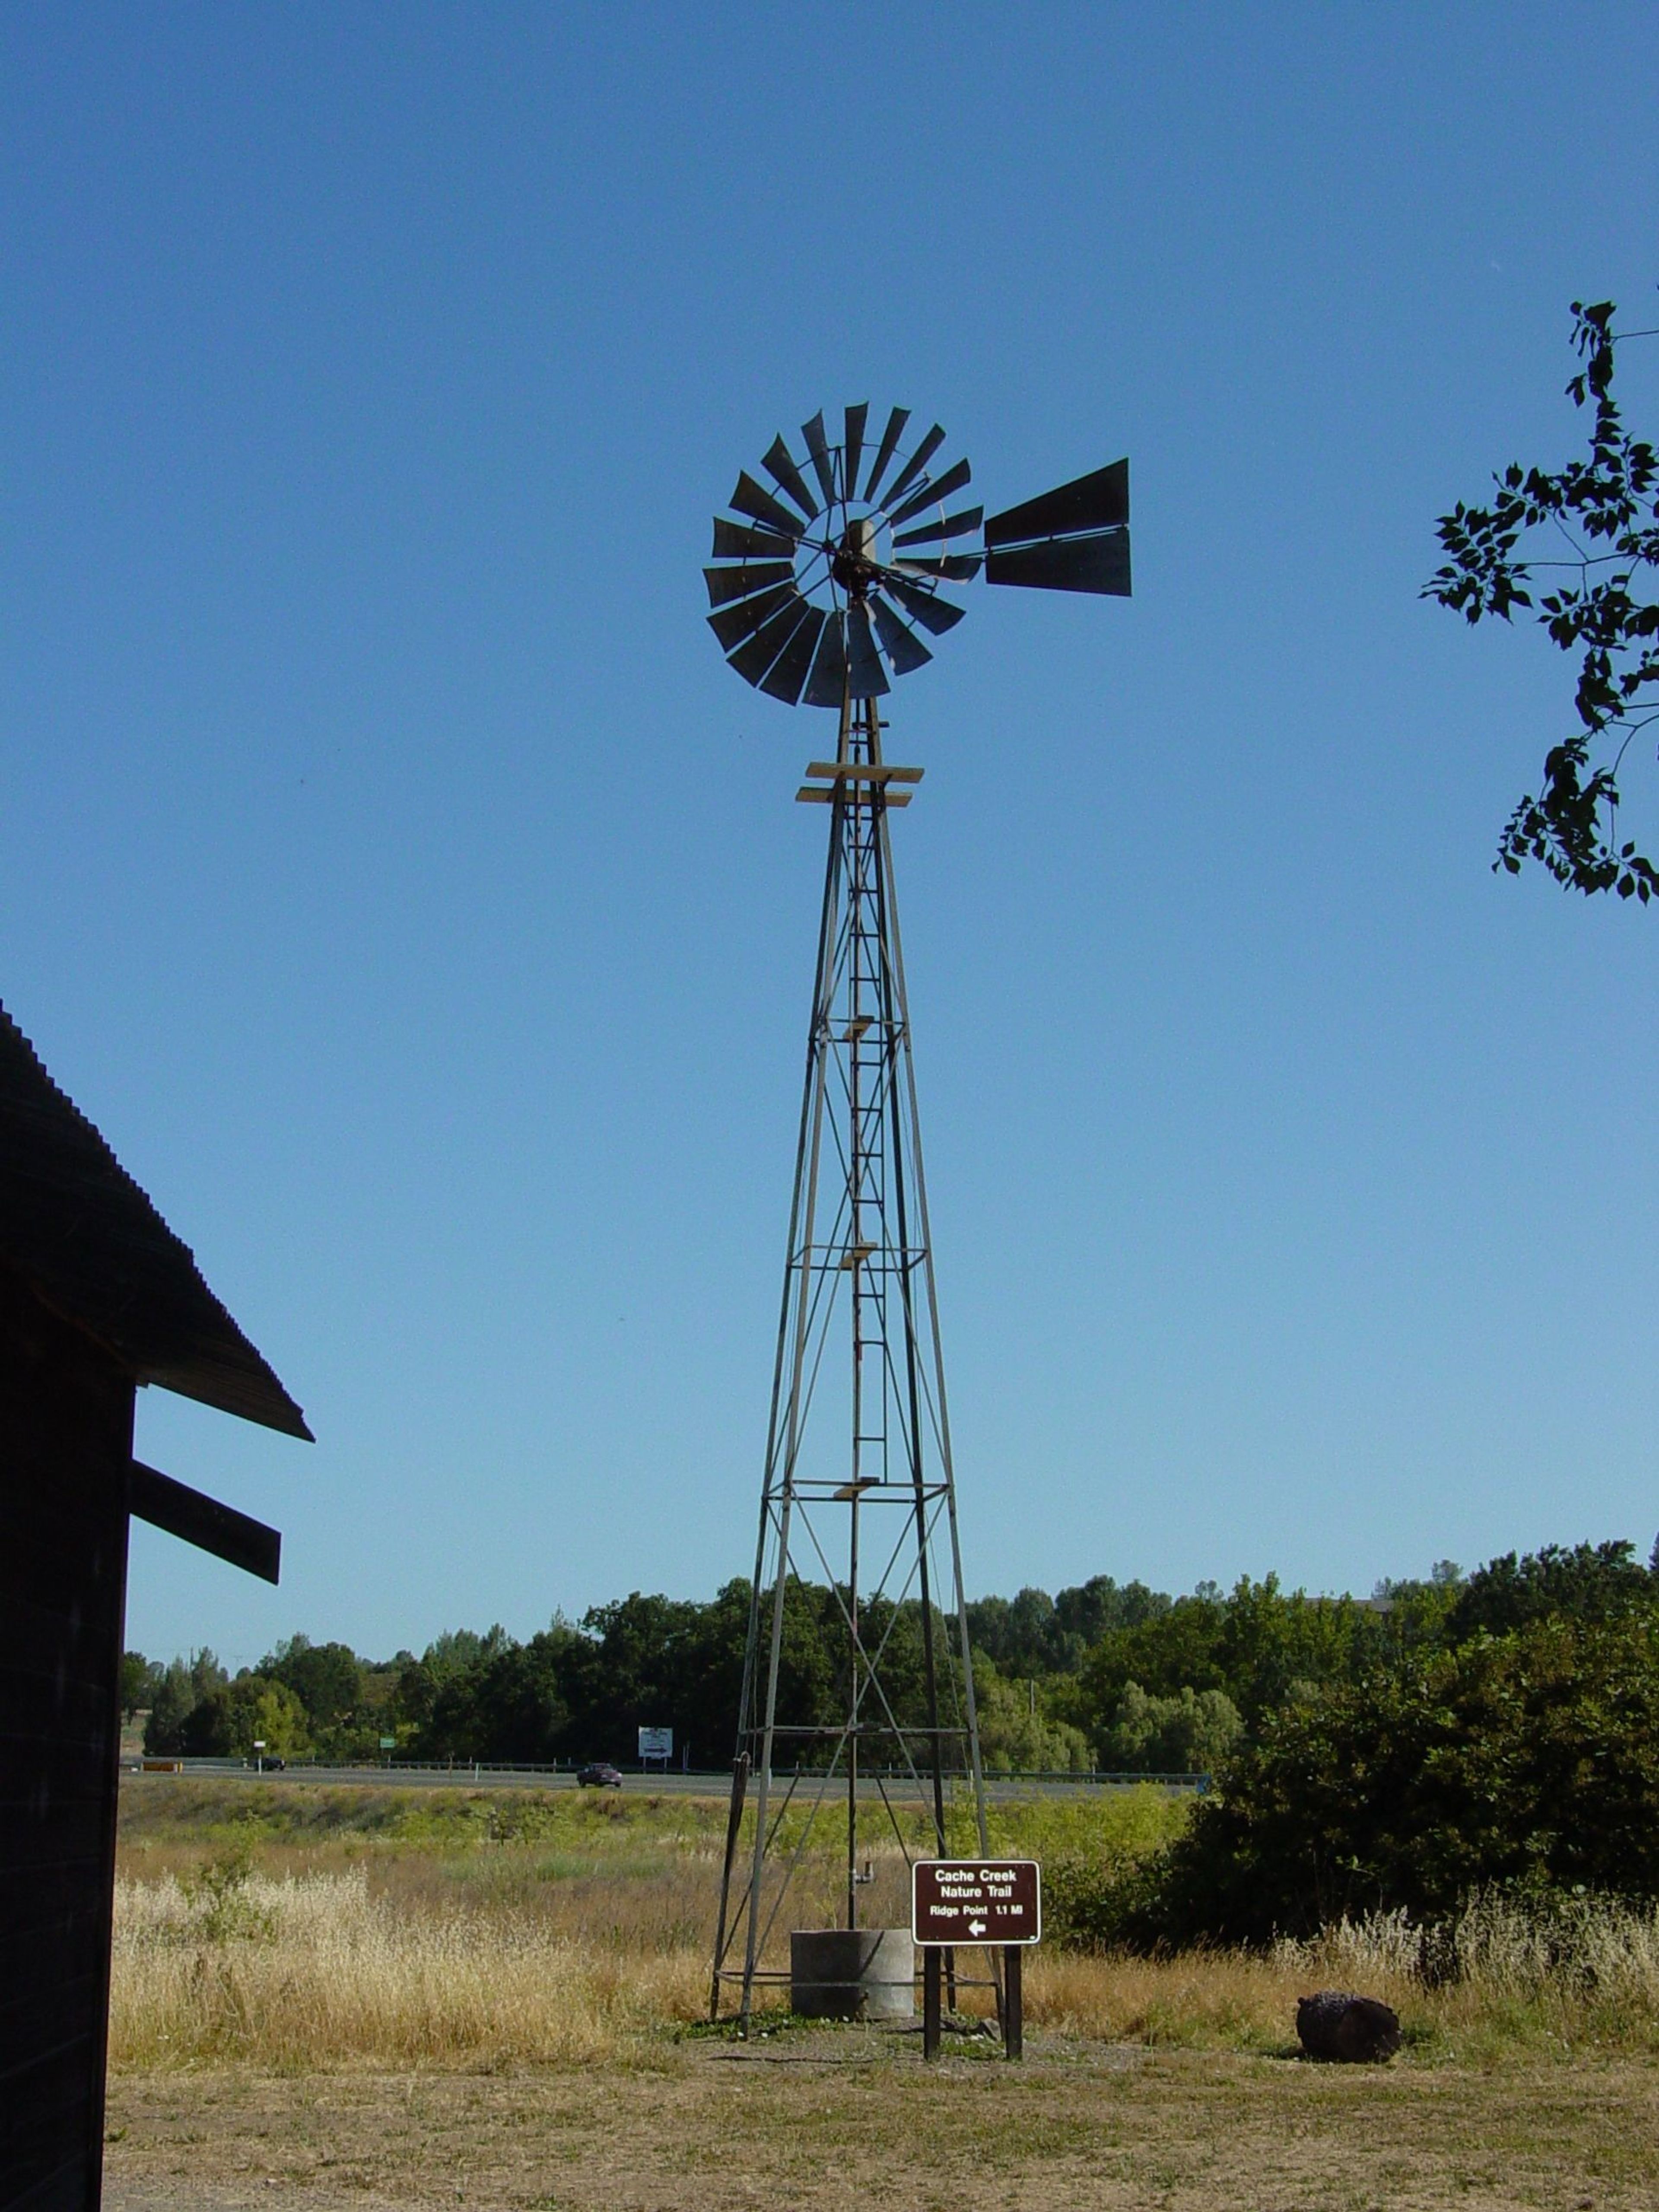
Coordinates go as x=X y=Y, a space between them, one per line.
x=599 y=1777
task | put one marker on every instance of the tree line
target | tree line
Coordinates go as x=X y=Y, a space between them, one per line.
x=1108 y=1676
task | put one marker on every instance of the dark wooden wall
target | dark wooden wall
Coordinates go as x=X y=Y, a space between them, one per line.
x=65 y=1446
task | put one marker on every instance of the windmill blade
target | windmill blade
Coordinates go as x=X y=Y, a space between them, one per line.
x=898 y=640
x=789 y=671
x=852 y=450
x=913 y=467
x=865 y=677
x=1100 y=501
x=888 y=448
x=725 y=584
x=924 y=606
x=1100 y=563
x=780 y=463
x=735 y=540
x=750 y=499
x=933 y=495
x=823 y=460
x=954 y=526
x=733 y=624
x=752 y=659
x=827 y=685
x=958 y=567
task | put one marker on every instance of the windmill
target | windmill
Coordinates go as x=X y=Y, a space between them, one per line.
x=820 y=584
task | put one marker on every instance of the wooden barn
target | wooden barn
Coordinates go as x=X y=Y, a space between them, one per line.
x=97 y=1295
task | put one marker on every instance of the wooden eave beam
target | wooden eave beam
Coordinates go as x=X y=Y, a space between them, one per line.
x=200 y=1520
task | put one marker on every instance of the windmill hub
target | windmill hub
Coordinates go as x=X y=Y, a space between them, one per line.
x=853 y=564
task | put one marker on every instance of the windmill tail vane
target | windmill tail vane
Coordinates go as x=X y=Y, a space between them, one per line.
x=822 y=584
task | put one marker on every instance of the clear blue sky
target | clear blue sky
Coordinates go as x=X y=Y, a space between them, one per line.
x=391 y=868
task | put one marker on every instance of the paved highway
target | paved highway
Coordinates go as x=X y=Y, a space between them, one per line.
x=999 y=1787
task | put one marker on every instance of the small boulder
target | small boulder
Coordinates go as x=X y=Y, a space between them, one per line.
x=1358 y=2031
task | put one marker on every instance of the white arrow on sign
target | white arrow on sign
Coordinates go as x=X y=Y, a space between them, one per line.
x=976 y=1927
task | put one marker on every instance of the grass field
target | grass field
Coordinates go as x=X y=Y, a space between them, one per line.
x=437 y=1996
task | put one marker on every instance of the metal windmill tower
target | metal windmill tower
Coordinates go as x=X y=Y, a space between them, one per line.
x=819 y=586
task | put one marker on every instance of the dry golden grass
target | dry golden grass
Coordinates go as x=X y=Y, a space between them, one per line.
x=311 y=1927
x=322 y=1969
x=320 y=1974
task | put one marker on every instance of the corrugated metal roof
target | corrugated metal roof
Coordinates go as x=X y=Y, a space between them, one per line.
x=75 y=1226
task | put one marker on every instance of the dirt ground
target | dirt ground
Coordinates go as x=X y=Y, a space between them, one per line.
x=852 y=2117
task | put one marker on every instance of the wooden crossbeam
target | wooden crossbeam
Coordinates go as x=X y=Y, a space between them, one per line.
x=202 y=1521
x=864 y=772
x=824 y=794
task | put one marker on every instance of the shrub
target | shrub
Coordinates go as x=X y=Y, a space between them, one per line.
x=1530 y=1760
x=217 y=1894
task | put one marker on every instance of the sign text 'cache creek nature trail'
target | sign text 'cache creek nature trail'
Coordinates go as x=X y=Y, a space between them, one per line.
x=990 y=1901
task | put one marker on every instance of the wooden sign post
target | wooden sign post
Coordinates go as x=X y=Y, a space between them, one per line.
x=990 y=1902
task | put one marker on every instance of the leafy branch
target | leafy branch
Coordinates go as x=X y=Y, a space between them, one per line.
x=1604 y=511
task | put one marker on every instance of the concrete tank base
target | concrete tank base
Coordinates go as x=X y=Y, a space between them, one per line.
x=853 y=1974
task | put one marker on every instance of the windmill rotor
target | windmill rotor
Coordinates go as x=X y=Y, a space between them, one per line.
x=820 y=587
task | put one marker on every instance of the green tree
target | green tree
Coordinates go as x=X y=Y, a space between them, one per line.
x=1017 y=1734
x=176 y=1692
x=441 y=1671
x=1531 y=1758
x=516 y=1705
x=327 y=1679
x=140 y=1678
x=1016 y=1632
x=1273 y=1644
x=705 y=1722
x=1191 y=1733
x=1591 y=1582
x=1417 y=1608
x=1033 y=1634
x=630 y=1667
x=236 y=1715
x=1164 y=1652
x=1085 y=1613
x=414 y=1694
x=463 y=1651
x=1596 y=522
x=1258 y=1647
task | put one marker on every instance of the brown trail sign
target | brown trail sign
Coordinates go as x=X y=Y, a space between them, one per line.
x=976 y=1901
x=993 y=1901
